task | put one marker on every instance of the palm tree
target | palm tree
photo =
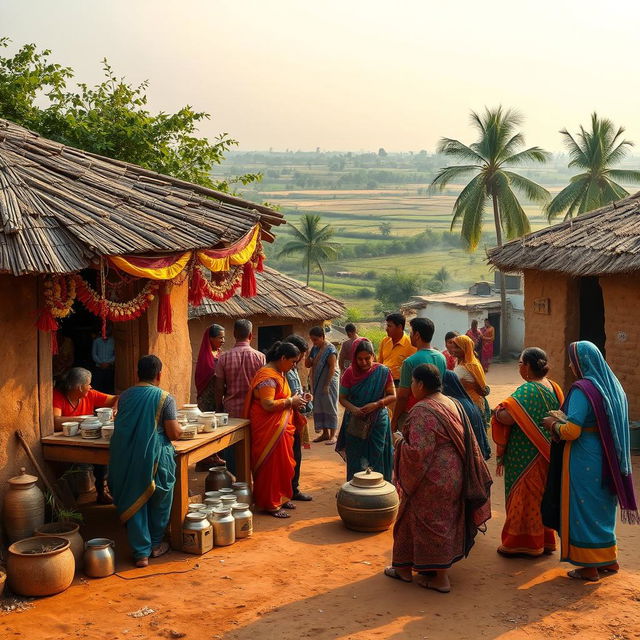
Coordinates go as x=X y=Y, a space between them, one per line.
x=498 y=148
x=595 y=151
x=313 y=241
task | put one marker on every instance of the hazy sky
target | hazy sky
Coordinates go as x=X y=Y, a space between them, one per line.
x=352 y=75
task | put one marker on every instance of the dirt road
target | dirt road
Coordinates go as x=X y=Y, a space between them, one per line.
x=309 y=577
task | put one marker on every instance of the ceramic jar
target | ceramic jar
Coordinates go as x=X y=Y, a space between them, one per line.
x=224 y=528
x=40 y=566
x=90 y=428
x=208 y=512
x=68 y=530
x=99 y=558
x=23 y=509
x=242 y=492
x=197 y=534
x=243 y=520
x=190 y=412
x=195 y=506
x=212 y=494
x=218 y=478
x=368 y=502
x=213 y=502
x=228 y=501
x=105 y=414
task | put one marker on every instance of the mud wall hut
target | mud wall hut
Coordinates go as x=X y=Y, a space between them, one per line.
x=582 y=282
x=83 y=236
x=281 y=307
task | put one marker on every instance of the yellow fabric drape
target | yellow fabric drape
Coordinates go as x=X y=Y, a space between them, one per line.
x=240 y=257
x=164 y=273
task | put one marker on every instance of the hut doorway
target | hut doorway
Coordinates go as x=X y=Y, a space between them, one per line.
x=592 y=312
x=268 y=335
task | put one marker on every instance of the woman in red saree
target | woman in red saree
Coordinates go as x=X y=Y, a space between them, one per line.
x=524 y=450
x=270 y=408
x=488 y=336
x=210 y=350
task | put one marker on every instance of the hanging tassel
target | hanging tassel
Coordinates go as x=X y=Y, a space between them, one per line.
x=249 y=287
x=260 y=266
x=54 y=343
x=196 y=288
x=164 y=309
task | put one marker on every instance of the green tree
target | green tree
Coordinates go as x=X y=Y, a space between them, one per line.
x=385 y=229
x=109 y=119
x=442 y=275
x=491 y=158
x=393 y=289
x=595 y=151
x=314 y=241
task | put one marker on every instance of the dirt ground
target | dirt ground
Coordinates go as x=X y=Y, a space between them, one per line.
x=309 y=577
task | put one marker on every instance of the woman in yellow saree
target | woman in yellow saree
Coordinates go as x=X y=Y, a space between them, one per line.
x=470 y=372
x=270 y=408
x=523 y=455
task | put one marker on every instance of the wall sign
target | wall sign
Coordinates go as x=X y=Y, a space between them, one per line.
x=542 y=306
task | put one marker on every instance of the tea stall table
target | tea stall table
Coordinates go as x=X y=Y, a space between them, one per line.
x=59 y=448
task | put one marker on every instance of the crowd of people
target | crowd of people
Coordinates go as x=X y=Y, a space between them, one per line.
x=418 y=416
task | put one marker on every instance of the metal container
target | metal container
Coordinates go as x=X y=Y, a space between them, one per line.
x=197 y=534
x=23 y=509
x=224 y=528
x=99 y=558
x=228 y=501
x=68 y=530
x=212 y=494
x=243 y=520
x=368 y=502
x=242 y=492
x=208 y=511
x=218 y=478
x=195 y=506
x=40 y=566
x=225 y=491
x=213 y=502
x=91 y=428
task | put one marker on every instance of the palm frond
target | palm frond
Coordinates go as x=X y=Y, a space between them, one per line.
x=612 y=191
x=456 y=149
x=532 y=154
x=630 y=176
x=576 y=152
x=467 y=195
x=567 y=196
x=532 y=190
x=448 y=174
x=512 y=216
x=618 y=152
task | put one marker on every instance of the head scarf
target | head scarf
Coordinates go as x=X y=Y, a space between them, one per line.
x=470 y=361
x=590 y=364
x=354 y=374
x=206 y=365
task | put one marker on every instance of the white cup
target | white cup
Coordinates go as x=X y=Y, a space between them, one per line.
x=70 y=428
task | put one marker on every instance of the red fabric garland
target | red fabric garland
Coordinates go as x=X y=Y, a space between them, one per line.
x=165 y=324
x=46 y=322
x=249 y=286
x=197 y=288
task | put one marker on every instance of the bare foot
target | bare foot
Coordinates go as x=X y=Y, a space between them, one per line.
x=331 y=441
x=589 y=574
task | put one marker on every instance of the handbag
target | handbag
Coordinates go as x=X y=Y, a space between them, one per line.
x=360 y=427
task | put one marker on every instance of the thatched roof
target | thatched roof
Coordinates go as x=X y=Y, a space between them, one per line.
x=60 y=208
x=278 y=297
x=600 y=242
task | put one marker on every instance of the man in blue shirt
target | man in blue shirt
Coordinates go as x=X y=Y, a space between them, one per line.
x=103 y=353
x=422 y=330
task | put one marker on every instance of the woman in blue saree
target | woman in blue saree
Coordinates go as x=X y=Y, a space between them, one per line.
x=141 y=461
x=594 y=468
x=366 y=390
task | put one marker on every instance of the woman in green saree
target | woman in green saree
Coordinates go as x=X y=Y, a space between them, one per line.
x=366 y=390
x=141 y=461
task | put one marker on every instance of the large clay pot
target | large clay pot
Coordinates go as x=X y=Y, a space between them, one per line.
x=68 y=530
x=23 y=510
x=218 y=478
x=40 y=566
x=368 y=502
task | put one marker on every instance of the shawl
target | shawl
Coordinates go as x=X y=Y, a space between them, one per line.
x=206 y=364
x=354 y=375
x=470 y=361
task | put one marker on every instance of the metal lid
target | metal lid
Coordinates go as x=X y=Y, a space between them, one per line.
x=222 y=467
x=196 y=516
x=367 y=478
x=239 y=485
x=195 y=506
x=23 y=479
x=222 y=511
x=240 y=506
x=225 y=491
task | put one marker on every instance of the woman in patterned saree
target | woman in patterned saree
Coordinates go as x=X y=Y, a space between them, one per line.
x=595 y=469
x=523 y=456
x=366 y=389
x=269 y=406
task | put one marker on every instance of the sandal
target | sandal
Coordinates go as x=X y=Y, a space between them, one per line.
x=320 y=439
x=331 y=441
x=577 y=574
x=609 y=569
x=392 y=572
x=433 y=587
x=142 y=562
x=288 y=505
x=160 y=550
x=279 y=514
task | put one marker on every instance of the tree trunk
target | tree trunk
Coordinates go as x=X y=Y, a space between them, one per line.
x=322 y=272
x=504 y=332
x=308 y=268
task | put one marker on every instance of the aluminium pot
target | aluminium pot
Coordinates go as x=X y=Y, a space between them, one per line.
x=99 y=558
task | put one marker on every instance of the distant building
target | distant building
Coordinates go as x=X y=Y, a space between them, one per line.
x=454 y=311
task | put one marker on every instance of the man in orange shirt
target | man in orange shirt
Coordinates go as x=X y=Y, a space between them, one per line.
x=396 y=347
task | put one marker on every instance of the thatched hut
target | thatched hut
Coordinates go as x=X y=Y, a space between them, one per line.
x=582 y=282
x=126 y=242
x=281 y=307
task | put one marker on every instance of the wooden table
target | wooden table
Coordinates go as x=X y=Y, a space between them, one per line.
x=59 y=448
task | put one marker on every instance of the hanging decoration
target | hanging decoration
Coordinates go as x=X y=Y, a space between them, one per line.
x=165 y=324
x=59 y=295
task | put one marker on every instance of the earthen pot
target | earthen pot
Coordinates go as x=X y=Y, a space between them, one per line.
x=40 y=566
x=368 y=502
x=218 y=478
x=68 y=530
x=23 y=510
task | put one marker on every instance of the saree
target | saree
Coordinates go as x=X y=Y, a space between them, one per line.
x=587 y=480
x=486 y=350
x=205 y=374
x=443 y=502
x=376 y=450
x=272 y=432
x=525 y=448
x=325 y=405
x=452 y=387
x=472 y=373
x=140 y=457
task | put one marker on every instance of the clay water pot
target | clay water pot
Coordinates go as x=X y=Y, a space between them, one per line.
x=68 y=530
x=40 y=566
x=218 y=478
x=368 y=502
x=23 y=510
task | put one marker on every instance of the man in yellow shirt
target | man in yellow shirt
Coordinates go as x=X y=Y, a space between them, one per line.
x=396 y=347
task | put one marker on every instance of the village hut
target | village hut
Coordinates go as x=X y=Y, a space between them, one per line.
x=86 y=240
x=582 y=282
x=282 y=306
